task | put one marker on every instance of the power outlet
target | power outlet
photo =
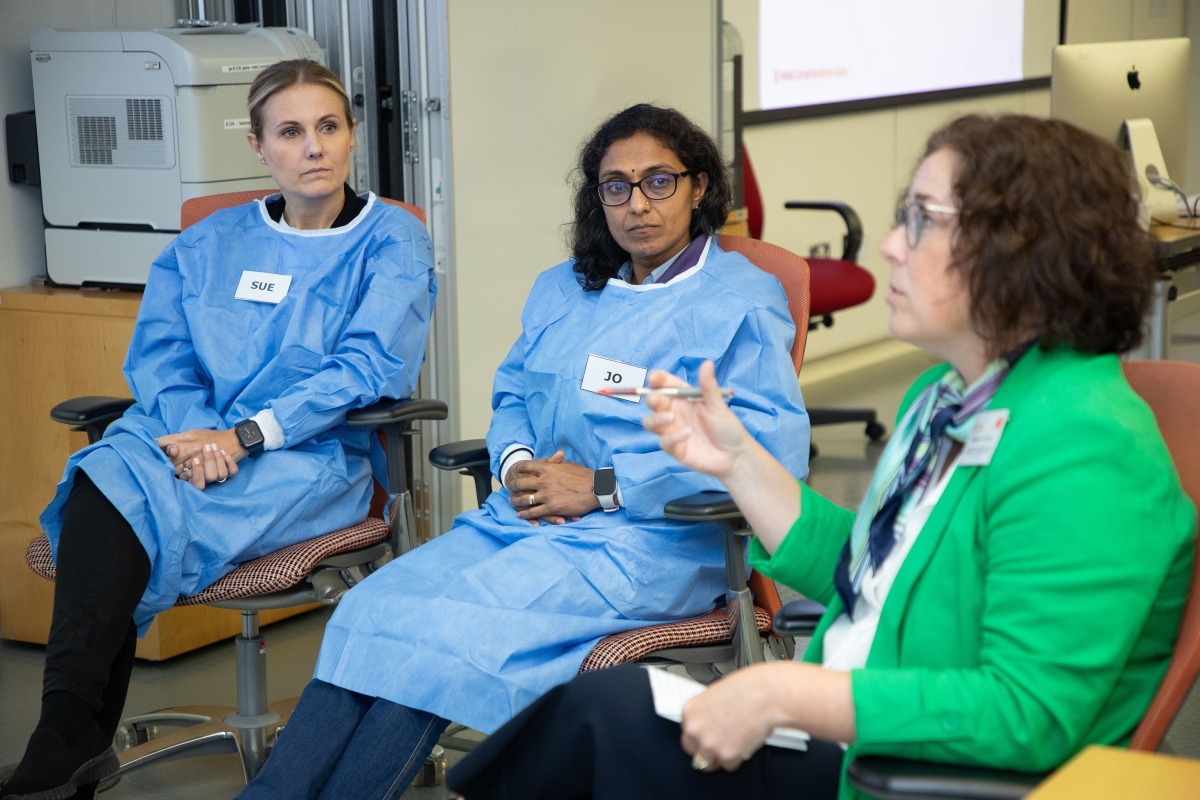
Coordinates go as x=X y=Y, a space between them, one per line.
x=819 y=250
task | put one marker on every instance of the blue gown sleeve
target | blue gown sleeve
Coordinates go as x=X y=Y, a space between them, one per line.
x=758 y=365
x=510 y=422
x=381 y=349
x=161 y=367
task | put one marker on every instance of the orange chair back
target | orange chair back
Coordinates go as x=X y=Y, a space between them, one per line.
x=1170 y=388
x=792 y=272
x=197 y=208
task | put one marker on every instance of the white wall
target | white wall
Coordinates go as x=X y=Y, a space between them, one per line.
x=865 y=158
x=22 y=249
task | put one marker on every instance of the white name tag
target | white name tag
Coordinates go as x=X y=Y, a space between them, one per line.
x=604 y=373
x=262 y=287
x=985 y=435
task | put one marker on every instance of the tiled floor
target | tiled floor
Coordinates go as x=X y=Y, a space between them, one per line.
x=207 y=676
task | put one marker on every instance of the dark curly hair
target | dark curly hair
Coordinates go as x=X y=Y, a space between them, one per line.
x=1048 y=235
x=597 y=255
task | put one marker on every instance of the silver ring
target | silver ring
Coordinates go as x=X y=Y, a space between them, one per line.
x=532 y=498
x=222 y=480
x=186 y=470
x=701 y=763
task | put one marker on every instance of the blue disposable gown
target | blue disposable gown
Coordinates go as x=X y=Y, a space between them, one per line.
x=351 y=329
x=480 y=621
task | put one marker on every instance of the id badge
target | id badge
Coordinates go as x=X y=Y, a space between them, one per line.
x=262 y=287
x=605 y=373
x=985 y=435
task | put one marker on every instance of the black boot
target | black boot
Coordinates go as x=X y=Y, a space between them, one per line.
x=52 y=769
x=102 y=573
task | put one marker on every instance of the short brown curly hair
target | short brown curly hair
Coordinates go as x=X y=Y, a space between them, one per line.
x=1048 y=235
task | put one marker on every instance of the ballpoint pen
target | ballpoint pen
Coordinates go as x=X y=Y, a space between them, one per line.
x=692 y=392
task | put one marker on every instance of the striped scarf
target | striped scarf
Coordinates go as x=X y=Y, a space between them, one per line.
x=946 y=408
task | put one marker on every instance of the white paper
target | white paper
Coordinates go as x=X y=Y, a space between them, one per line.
x=671 y=691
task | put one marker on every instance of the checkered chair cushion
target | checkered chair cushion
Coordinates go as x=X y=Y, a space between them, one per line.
x=272 y=573
x=714 y=627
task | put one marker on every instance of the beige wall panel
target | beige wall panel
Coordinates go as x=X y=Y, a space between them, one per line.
x=1158 y=19
x=1098 y=21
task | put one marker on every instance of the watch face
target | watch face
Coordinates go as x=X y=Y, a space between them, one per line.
x=249 y=434
x=604 y=482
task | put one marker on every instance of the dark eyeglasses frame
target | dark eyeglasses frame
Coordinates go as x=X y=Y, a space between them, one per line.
x=638 y=185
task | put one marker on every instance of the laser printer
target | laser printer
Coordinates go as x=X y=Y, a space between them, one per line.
x=132 y=123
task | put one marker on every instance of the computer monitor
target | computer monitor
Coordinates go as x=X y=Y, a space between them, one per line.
x=1099 y=86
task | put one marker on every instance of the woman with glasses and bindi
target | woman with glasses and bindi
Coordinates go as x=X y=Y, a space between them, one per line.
x=573 y=547
x=1003 y=596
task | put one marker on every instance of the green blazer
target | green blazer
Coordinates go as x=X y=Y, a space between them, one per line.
x=1037 y=609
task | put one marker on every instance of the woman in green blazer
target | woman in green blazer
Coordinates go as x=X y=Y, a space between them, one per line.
x=1010 y=589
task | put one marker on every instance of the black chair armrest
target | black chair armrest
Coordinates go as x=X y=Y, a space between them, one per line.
x=395 y=418
x=470 y=457
x=460 y=455
x=87 y=410
x=901 y=779
x=852 y=241
x=388 y=411
x=90 y=414
x=703 y=507
x=798 y=617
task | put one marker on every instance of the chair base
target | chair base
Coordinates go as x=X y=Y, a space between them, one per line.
x=200 y=731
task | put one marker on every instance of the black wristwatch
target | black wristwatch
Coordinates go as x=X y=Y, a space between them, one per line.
x=250 y=436
x=604 y=486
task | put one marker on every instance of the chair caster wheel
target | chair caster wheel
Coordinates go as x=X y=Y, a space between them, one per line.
x=433 y=771
x=132 y=734
x=875 y=431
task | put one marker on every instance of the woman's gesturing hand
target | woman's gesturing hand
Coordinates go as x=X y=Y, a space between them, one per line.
x=703 y=434
x=550 y=489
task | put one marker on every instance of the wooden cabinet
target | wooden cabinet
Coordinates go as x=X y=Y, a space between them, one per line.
x=56 y=344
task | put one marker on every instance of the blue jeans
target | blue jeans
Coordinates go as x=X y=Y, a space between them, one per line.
x=341 y=744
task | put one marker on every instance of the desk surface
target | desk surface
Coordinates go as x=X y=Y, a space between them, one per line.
x=1181 y=236
x=53 y=300
x=1114 y=773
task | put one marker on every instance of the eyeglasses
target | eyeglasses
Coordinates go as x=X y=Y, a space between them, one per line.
x=658 y=186
x=914 y=216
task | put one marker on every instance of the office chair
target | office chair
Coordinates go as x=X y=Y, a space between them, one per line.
x=835 y=284
x=1170 y=389
x=738 y=633
x=838 y=284
x=319 y=570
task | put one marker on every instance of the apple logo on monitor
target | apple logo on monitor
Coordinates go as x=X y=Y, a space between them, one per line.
x=1132 y=78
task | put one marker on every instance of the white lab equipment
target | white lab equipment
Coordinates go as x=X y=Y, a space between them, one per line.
x=132 y=123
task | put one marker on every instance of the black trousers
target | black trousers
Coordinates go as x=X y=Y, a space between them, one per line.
x=102 y=572
x=598 y=737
